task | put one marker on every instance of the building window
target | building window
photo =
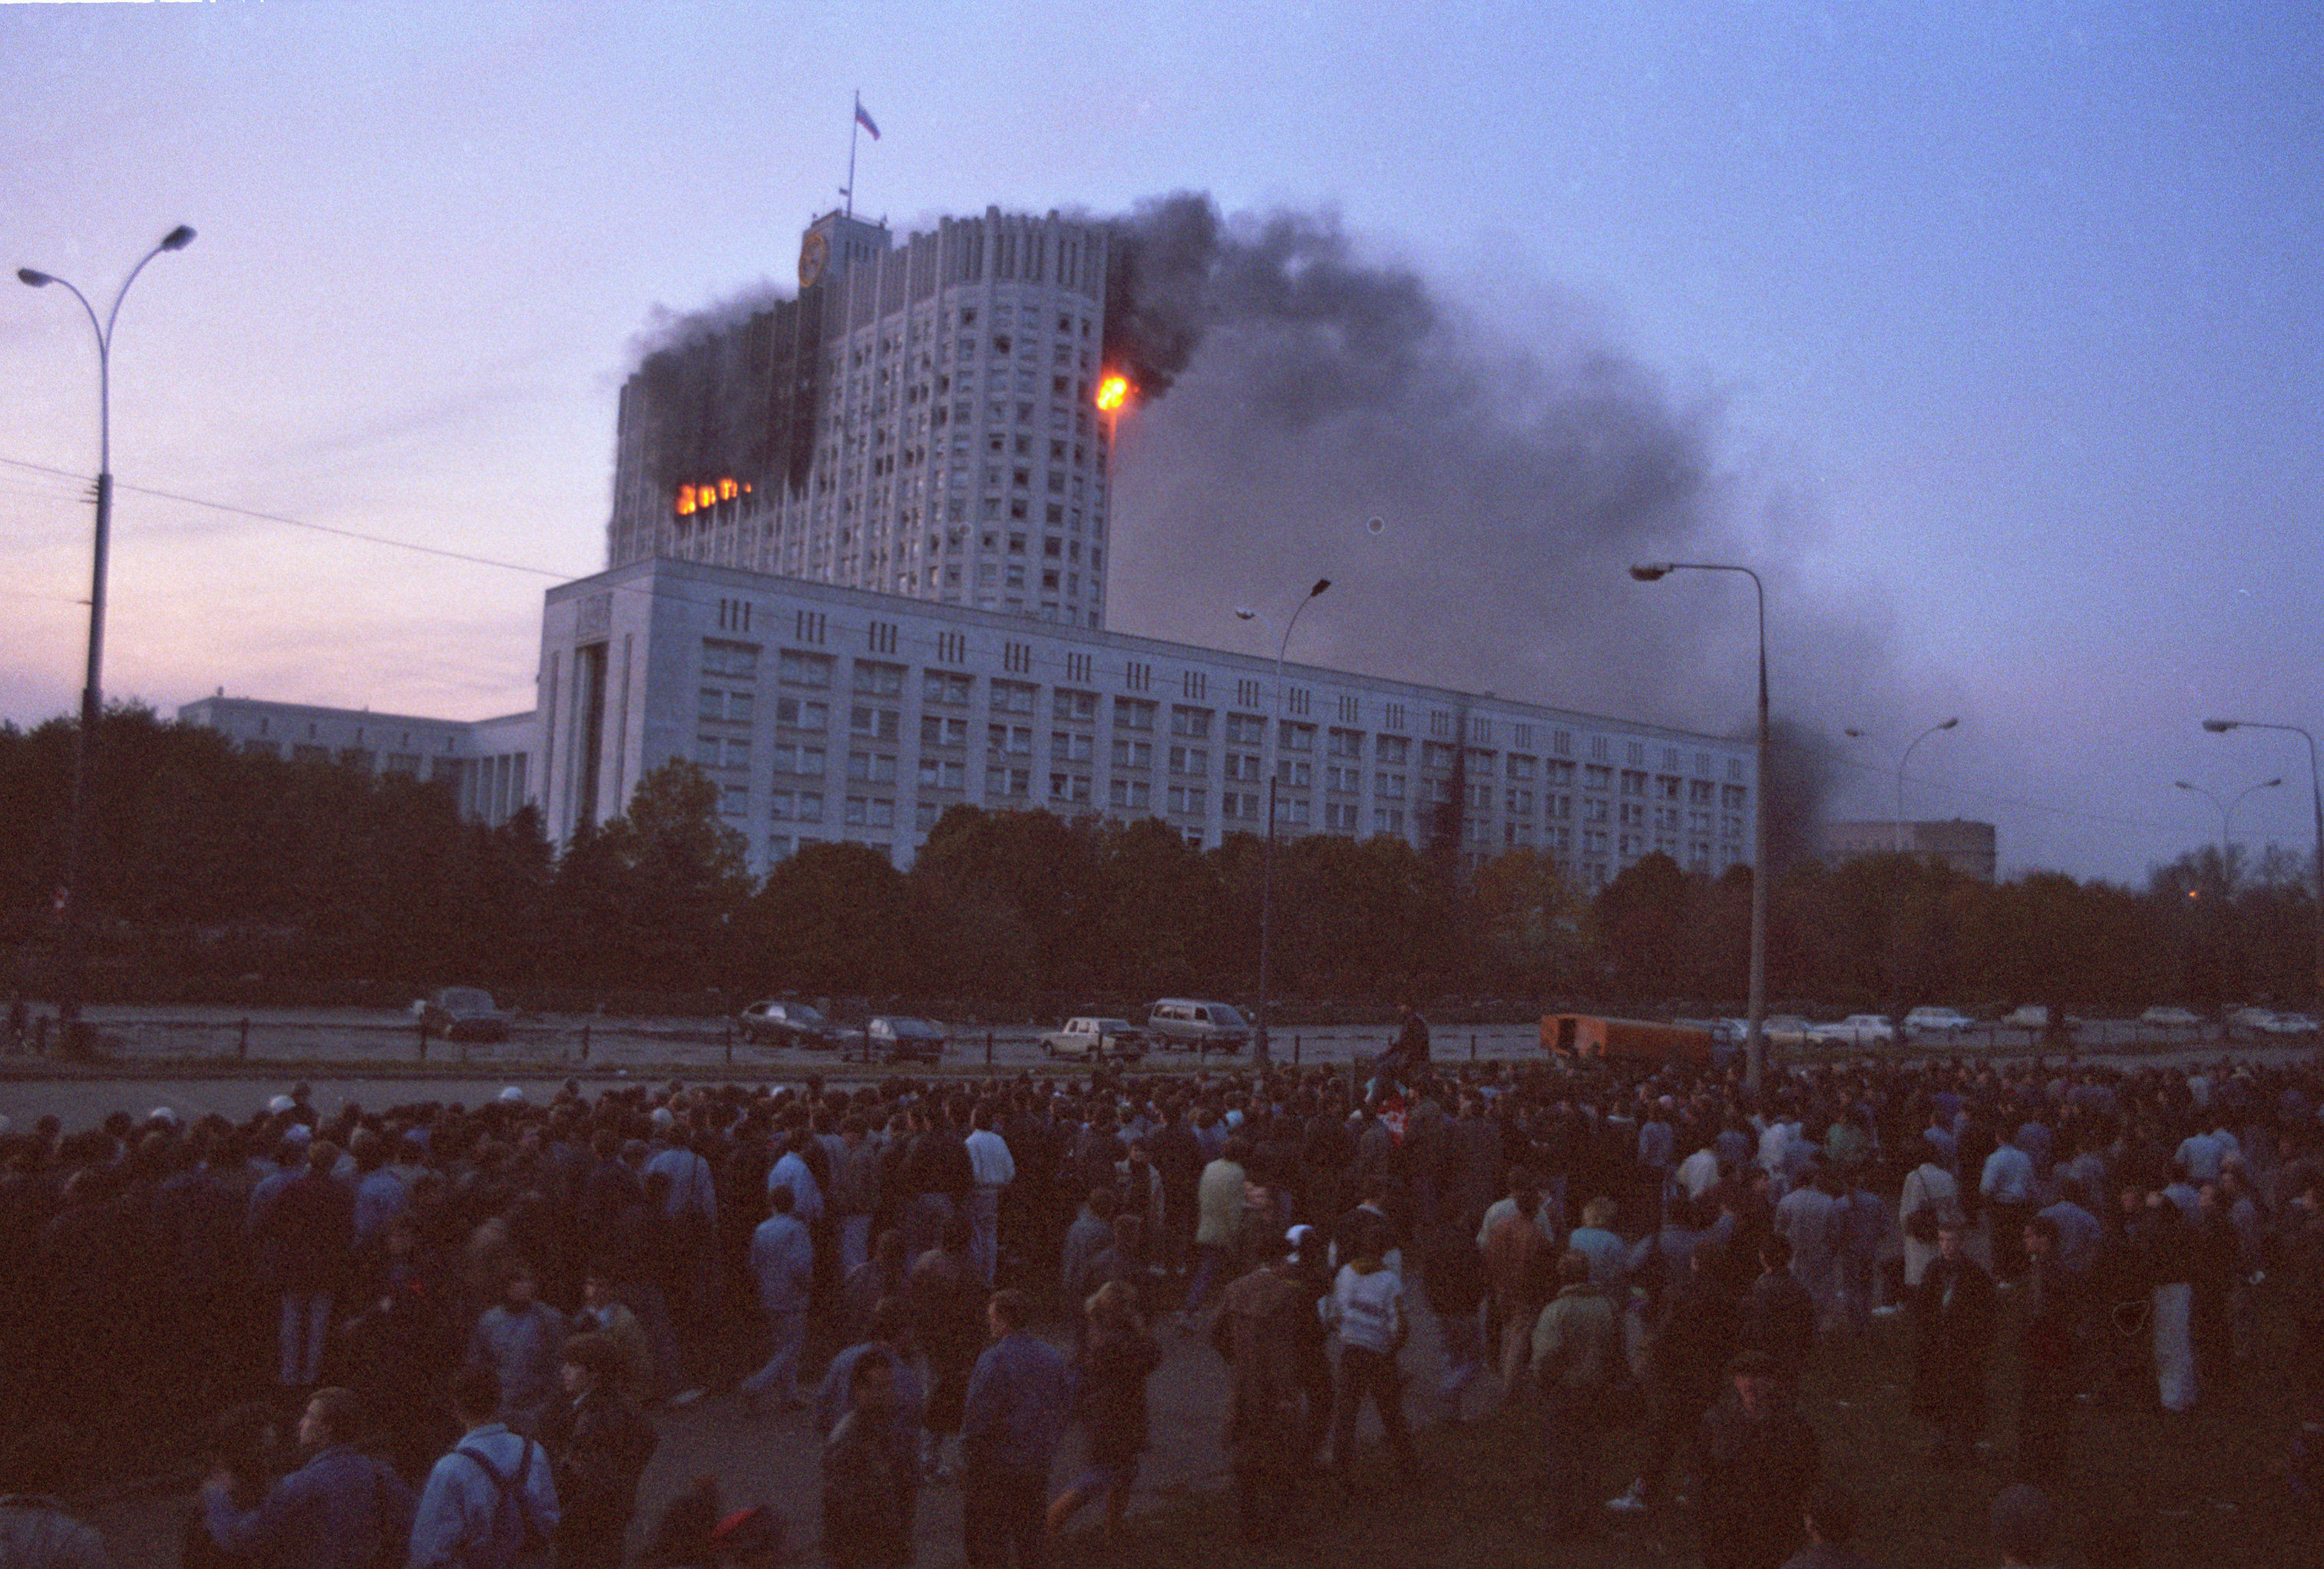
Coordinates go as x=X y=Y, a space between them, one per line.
x=871 y=766
x=1340 y=816
x=1005 y=782
x=796 y=805
x=1128 y=754
x=1393 y=749
x=878 y=679
x=803 y=669
x=1392 y=716
x=1246 y=730
x=1016 y=739
x=1070 y=788
x=1191 y=723
x=876 y=723
x=1240 y=805
x=1193 y=684
x=1188 y=799
x=1388 y=820
x=943 y=729
x=1012 y=697
x=947 y=690
x=1129 y=714
x=1076 y=707
x=1247 y=693
x=1346 y=743
x=802 y=713
x=1131 y=795
x=1388 y=787
x=791 y=758
x=941 y=773
x=1191 y=760
x=722 y=657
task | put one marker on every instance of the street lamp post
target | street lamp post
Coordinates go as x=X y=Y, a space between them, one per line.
x=2227 y=817
x=92 y=696
x=2315 y=804
x=1258 y=1046
x=1754 y=1040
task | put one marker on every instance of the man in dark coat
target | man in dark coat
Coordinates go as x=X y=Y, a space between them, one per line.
x=1258 y=1333
x=1777 y=1314
x=1760 y=1463
x=868 y=1476
x=599 y=1443
x=1954 y=1319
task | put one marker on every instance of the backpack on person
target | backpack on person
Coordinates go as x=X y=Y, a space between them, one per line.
x=517 y=1537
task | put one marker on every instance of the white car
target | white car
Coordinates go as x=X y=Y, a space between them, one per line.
x=1095 y=1038
x=2026 y=1016
x=1948 y=1022
x=2170 y=1018
x=2267 y=1021
x=1784 y=1029
x=1857 y=1030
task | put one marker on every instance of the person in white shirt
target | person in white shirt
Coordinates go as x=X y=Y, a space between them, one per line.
x=992 y=1169
x=1366 y=1307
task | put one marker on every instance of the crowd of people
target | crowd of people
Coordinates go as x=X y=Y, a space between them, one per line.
x=470 y=1313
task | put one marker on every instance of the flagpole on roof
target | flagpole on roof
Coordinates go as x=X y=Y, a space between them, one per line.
x=854 y=129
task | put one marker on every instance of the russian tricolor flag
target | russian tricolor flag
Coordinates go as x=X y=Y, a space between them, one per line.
x=864 y=119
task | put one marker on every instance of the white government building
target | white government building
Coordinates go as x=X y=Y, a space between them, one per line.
x=857 y=572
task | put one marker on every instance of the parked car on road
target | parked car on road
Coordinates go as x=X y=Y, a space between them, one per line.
x=2026 y=1016
x=777 y=1023
x=1783 y=1030
x=2247 y=1022
x=895 y=1037
x=1095 y=1038
x=1857 y=1030
x=1190 y=1024
x=462 y=1014
x=1945 y=1022
x=2171 y=1018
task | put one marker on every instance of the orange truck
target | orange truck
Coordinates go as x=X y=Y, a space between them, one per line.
x=1580 y=1036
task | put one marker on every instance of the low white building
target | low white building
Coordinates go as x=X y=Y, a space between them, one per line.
x=826 y=712
x=487 y=761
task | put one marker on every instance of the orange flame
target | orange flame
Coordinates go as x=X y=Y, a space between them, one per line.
x=1113 y=393
x=701 y=498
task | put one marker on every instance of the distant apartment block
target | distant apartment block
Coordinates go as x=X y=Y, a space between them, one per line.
x=1969 y=848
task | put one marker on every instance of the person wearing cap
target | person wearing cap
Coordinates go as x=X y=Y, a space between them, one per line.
x=1759 y=1459
x=599 y=1443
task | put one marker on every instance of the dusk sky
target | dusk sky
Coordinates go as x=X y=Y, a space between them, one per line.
x=2003 y=323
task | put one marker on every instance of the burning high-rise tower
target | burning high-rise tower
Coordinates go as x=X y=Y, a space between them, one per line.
x=920 y=420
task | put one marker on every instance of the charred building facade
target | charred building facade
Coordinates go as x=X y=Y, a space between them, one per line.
x=920 y=420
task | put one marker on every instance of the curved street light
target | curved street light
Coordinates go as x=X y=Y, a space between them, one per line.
x=1258 y=1046
x=2315 y=804
x=68 y=900
x=2226 y=816
x=1754 y=1040
x=1896 y=825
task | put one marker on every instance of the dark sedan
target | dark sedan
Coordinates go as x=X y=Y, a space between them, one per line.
x=893 y=1038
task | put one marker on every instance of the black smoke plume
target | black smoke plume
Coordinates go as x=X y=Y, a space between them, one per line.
x=1476 y=496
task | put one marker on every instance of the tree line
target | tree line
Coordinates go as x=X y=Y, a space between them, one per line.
x=204 y=861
